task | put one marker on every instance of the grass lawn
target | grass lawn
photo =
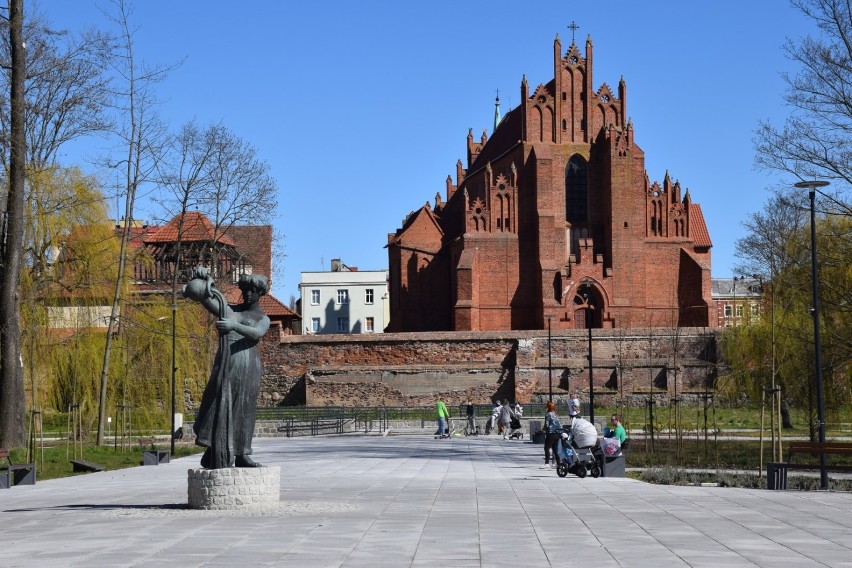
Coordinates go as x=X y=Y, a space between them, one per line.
x=56 y=458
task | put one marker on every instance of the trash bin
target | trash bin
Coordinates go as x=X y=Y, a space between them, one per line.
x=536 y=433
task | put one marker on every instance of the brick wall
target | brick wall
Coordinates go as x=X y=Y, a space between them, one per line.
x=412 y=369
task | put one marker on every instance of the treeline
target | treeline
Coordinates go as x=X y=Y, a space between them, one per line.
x=85 y=336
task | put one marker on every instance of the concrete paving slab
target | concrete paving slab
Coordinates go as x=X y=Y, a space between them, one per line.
x=413 y=501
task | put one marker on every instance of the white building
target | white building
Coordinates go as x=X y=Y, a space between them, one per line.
x=344 y=300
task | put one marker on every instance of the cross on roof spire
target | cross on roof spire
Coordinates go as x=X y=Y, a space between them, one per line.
x=573 y=27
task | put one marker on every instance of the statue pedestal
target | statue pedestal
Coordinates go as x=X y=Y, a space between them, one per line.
x=235 y=489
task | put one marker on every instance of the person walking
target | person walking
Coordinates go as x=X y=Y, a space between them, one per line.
x=492 y=421
x=471 y=419
x=552 y=431
x=443 y=417
x=506 y=415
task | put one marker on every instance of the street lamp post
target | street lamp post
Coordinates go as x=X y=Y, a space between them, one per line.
x=589 y=308
x=811 y=187
x=174 y=372
x=549 y=363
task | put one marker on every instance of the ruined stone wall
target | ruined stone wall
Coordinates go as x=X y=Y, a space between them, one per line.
x=413 y=369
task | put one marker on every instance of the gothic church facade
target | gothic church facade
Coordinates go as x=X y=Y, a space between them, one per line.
x=554 y=222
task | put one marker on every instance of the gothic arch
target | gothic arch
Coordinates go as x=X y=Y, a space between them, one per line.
x=587 y=294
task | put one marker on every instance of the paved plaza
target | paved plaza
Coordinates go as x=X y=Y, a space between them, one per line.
x=391 y=501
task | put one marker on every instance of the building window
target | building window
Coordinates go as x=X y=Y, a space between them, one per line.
x=343 y=296
x=576 y=191
x=755 y=310
x=343 y=325
x=315 y=325
x=368 y=296
x=728 y=311
x=370 y=325
x=315 y=297
x=739 y=311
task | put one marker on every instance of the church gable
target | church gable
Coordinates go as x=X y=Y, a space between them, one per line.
x=540 y=112
x=420 y=230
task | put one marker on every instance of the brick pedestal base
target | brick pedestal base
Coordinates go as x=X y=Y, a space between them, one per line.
x=235 y=488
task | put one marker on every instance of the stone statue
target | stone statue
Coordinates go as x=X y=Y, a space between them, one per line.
x=224 y=423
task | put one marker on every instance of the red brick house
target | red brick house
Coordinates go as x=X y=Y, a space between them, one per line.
x=236 y=250
x=554 y=215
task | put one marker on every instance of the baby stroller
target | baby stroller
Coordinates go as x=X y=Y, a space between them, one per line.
x=515 y=430
x=576 y=460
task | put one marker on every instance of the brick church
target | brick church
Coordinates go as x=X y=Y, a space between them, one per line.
x=554 y=221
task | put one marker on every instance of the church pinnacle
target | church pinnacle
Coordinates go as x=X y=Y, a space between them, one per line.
x=496 y=112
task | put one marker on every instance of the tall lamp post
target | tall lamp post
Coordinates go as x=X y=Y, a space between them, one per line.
x=589 y=308
x=549 y=363
x=174 y=372
x=811 y=187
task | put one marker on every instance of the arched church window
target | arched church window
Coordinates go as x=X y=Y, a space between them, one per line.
x=577 y=191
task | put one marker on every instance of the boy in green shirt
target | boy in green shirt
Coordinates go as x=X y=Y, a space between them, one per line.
x=443 y=419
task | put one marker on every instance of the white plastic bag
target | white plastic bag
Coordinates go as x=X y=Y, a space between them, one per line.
x=611 y=446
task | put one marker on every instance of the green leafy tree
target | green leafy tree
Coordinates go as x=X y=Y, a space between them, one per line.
x=777 y=248
x=813 y=143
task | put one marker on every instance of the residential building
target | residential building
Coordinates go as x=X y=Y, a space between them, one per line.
x=737 y=301
x=181 y=244
x=344 y=300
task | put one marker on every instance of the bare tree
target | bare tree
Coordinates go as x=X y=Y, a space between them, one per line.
x=67 y=89
x=11 y=368
x=142 y=138
x=217 y=173
x=815 y=141
x=241 y=190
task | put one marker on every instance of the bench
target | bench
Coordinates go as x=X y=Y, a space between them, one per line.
x=776 y=472
x=15 y=473
x=153 y=456
x=83 y=465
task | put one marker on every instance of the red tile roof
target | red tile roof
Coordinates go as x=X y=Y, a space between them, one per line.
x=270 y=304
x=697 y=227
x=196 y=227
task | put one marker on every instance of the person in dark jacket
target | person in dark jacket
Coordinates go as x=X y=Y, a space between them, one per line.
x=552 y=431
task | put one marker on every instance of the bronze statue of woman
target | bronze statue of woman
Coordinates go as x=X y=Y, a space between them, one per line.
x=224 y=423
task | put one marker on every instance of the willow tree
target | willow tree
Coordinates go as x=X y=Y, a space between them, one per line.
x=70 y=252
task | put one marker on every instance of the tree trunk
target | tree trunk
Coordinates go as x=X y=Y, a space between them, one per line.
x=12 y=396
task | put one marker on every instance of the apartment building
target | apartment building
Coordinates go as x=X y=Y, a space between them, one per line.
x=344 y=300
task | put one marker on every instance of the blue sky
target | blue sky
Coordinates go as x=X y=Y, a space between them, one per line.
x=363 y=108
